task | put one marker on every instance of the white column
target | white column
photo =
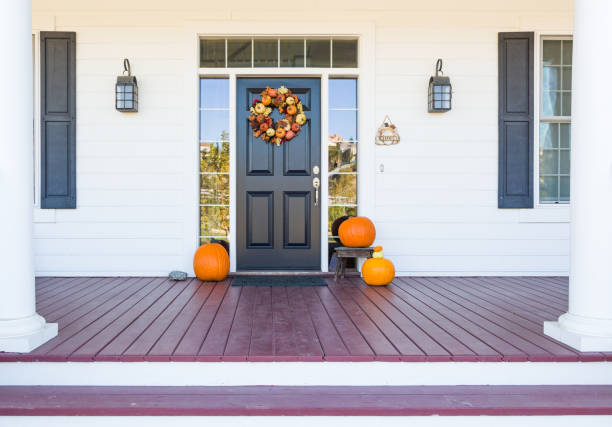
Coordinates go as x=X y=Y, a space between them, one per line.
x=21 y=329
x=587 y=326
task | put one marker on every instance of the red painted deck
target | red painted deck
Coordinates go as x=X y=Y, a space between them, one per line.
x=414 y=319
x=313 y=401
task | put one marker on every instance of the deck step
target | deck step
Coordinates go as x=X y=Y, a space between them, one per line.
x=305 y=401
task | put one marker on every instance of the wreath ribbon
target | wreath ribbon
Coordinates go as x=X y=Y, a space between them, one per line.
x=288 y=104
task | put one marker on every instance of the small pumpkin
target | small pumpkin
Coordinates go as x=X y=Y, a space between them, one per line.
x=263 y=127
x=357 y=232
x=280 y=132
x=272 y=92
x=291 y=109
x=266 y=100
x=295 y=127
x=211 y=262
x=378 y=271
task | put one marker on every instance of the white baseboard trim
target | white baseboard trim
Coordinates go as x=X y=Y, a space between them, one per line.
x=304 y=373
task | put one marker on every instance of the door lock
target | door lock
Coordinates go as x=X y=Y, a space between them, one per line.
x=316 y=183
x=315 y=170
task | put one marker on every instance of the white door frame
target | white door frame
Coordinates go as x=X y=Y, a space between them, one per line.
x=366 y=128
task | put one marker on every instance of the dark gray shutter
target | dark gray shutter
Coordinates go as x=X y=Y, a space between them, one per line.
x=515 y=120
x=58 y=120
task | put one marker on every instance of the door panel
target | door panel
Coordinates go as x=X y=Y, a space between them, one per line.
x=278 y=223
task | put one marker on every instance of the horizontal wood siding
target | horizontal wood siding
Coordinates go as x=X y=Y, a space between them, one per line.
x=435 y=204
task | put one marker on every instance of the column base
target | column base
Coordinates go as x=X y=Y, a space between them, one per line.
x=581 y=333
x=24 y=335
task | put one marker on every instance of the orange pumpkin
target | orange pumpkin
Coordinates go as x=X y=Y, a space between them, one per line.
x=357 y=232
x=263 y=127
x=211 y=262
x=378 y=271
x=280 y=132
x=266 y=100
x=291 y=110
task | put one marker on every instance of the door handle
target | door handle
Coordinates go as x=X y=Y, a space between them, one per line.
x=316 y=183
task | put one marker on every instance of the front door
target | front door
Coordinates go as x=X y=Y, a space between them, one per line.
x=278 y=209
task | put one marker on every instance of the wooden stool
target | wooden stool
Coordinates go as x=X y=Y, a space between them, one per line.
x=344 y=252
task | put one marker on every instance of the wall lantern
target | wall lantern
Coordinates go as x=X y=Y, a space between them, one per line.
x=440 y=91
x=126 y=90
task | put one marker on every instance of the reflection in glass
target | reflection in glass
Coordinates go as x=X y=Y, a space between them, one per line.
x=335 y=212
x=551 y=104
x=266 y=53
x=214 y=156
x=564 y=162
x=564 y=188
x=342 y=156
x=342 y=93
x=551 y=78
x=567 y=52
x=344 y=53
x=549 y=188
x=318 y=53
x=239 y=53
x=343 y=189
x=212 y=53
x=214 y=93
x=292 y=53
x=549 y=135
x=214 y=220
x=549 y=162
x=551 y=52
x=566 y=135
x=567 y=78
x=342 y=125
x=214 y=125
x=214 y=189
x=566 y=101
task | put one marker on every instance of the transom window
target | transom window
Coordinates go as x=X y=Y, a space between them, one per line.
x=278 y=52
x=555 y=120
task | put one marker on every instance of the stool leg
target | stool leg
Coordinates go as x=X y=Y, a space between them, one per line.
x=338 y=263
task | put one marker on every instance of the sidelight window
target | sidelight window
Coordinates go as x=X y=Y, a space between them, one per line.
x=214 y=159
x=342 y=151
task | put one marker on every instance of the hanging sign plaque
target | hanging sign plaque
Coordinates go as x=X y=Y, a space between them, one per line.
x=387 y=133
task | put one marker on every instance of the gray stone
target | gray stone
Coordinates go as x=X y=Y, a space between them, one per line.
x=177 y=275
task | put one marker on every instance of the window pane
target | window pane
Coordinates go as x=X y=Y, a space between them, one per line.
x=214 y=157
x=212 y=53
x=567 y=52
x=551 y=104
x=549 y=162
x=214 y=189
x=239 y=53
x=567 y=104
x=344 y=53
x=342 y=93
x=214 y=221
x=551 y=54
x=266 y=53
x=342 y=125
x=567 y=78
x=549 y=135
x=343 y=189
x=214 y=125
x=318 y=53
x=551 y=78
x=564 y=162
x=564 y=195
x=292 y=53
x=565 y=140
x=342 y=156
x=549 y=190
x=335 y=212
x=214 y=93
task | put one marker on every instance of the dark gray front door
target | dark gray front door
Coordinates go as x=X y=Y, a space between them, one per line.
x=278 y=219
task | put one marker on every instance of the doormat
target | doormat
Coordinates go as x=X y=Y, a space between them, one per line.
x=278 y=281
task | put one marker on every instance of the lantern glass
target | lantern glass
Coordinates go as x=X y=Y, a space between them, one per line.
x=126 y=94
x=440 y=94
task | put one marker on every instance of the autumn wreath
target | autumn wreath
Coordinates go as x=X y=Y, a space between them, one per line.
x=288 y=104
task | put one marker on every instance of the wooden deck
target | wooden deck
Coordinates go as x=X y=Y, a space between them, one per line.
x=414 y=319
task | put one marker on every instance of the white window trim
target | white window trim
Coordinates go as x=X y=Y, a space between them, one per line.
x=364 y=73
x=542 y=212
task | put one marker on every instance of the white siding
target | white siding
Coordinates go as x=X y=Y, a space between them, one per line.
x=435 y=203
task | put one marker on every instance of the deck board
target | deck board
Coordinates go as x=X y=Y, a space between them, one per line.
x=413 y=319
